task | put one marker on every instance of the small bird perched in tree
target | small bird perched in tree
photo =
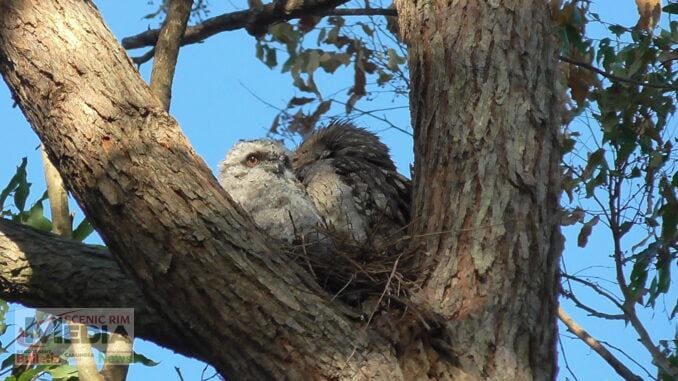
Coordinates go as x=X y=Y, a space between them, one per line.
x=354 y=184
x=257 y=174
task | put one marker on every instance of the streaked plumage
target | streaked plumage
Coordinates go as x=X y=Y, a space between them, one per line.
x=354 y=184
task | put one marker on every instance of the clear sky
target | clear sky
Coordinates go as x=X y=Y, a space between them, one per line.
x=213 y=104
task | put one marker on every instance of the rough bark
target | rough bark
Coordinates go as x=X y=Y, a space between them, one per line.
x=484 y=108
x=232 y=299
x=39 y=269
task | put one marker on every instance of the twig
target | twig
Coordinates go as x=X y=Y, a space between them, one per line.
x=567 y=363
x=176 y=369
x=381 y=297
x=594 y=344
x=613 y=77
x=344 y=287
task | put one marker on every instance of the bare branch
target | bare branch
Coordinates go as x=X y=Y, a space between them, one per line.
x=617 y=365
x=271 y=14
x=167 y=49
x=595 y=288
x=591 y=311
x=616 y=78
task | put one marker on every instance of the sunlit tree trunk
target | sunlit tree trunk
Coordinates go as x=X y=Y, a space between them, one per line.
x=486 y=178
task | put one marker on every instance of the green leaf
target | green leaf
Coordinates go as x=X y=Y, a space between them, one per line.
x=299 y=101
x=322 y=108
x=21 y=194
x=596 y=159
x=625 y=227
x=141 y=359
x=31 y=374
x=639 y=271
x=394 y=60
x=671 y=8
x=36 y=218
x=618 y=30
x=8 y=362
x=271 y=58
x=260 y=51
x=63 y=372
x=83 y=230
x=18 y=177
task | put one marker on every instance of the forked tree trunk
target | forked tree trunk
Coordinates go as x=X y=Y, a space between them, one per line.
x=484 y=109
x=484 y=104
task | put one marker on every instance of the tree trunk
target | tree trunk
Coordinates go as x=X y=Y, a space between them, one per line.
x=202 y=265
x=484 y=105
x=486 y=192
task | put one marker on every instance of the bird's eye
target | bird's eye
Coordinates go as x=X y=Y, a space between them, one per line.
x=251 y=161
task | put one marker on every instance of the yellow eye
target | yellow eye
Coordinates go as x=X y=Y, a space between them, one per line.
x=251 y=161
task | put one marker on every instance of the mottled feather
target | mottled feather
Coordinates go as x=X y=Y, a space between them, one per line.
x=340 y=159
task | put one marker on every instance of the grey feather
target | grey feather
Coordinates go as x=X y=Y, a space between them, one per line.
x=258 y=176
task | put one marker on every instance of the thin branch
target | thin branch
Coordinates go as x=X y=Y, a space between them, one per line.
x=591 y=311
x=362 y=12
x=167 y=49
x=273 y=13
x=594 y=344
x=567 y=363
x=595 y=288
x=616 y=78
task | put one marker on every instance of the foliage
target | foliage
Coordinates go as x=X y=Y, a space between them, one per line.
x=372 y=59
x=19 y=190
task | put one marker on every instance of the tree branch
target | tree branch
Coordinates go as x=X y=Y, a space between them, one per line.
x=271 y=13
x=594 y=344
x=234 y=299
x=167 y=49
x=34 y=266
x=63 y=226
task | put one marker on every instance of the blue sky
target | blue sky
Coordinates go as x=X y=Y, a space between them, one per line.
x=213 y=104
